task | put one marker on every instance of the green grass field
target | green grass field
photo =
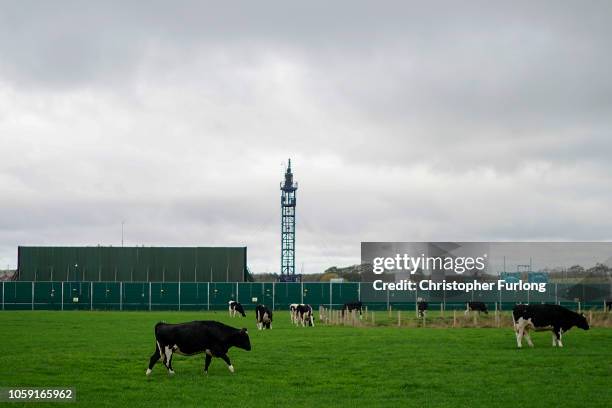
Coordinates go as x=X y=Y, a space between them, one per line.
x=104 y=355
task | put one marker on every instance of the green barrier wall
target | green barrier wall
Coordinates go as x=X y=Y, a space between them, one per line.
x=75 y=295
x=132 y=264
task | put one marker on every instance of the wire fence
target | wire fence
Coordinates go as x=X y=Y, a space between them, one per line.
x=20 y=295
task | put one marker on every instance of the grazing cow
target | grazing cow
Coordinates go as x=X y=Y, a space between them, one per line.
x=422 y=307
x=235 y=307
x=545 y=317
x=304 y=315
x=263 y=315
x=293 y=312
x=476 y=307
x=349 y=307
x=204 y=336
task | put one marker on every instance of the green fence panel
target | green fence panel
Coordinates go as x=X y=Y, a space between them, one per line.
x=164 y=296
x=221 y=294
x=253 y=294
x=76 y=295
x=48 y=295
x=135 y=296
x=344 y=293
x=106 y=296
x=286 y=293
x=316 y=294
x=194 y=296
x=374 y=299
x=18 y=295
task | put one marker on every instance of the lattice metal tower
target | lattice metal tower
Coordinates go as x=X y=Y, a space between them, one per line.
x=288 y=200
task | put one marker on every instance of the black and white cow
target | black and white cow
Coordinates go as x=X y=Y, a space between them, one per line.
x=349 y=307
x=545 y=317
x=422 y=307
x=204 y=336
x=304 y=315
x=476 y=307
x=235 y=307
x=263 y=315
x=293 y=312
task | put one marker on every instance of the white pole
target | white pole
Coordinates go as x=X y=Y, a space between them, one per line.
x=90 y=295
x=62 y=295
x=359 y=291
x=179 y=295
x=32 y=295
x=302 y=292
x=237 y=292
x=208 y=293
x=120 y=295
x=149 y=296
x=273 y=296
x=3 y=297
x=330 y=295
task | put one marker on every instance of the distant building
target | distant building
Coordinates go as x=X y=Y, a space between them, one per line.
x=132 y=264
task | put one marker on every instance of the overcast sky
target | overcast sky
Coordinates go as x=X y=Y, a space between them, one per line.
x=451 y=121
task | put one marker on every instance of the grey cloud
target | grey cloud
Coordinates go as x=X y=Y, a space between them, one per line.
x=446 y=121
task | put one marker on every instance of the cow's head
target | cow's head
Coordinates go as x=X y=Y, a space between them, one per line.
x=241 y=339
x=581 y=322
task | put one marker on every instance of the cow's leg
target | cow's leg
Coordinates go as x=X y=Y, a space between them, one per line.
x=154 y=359
x=528 y=337
x=559 y=334
x=519 y=332
x=168 y=359
x=225 y=358
x=207 y=361
x=554 y=338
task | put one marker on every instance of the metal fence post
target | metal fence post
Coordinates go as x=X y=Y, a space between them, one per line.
x=556 y=295
x=32 y=295
x=302 y=292
x=179 y=295
x=208 y=295
x=387 y=297
x=273 y=297
x=237 y=292
x=528 y=292
x=90 y=295
x=359 y=291
x=149 y=296
x=120 y=295
x=62 y=295
x=3 y=295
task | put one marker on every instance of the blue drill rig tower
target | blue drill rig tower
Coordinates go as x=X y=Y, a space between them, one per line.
x=288 y=201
